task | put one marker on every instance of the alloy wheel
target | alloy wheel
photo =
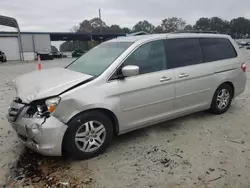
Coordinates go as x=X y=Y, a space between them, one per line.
x=223 y=98
x=90 y=136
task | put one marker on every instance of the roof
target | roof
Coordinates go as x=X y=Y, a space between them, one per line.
x=83 y=36
x=62 y=36
x=167 y=35
x=8 y=21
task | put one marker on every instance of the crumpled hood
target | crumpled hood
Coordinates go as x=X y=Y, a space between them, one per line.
x=48 y=82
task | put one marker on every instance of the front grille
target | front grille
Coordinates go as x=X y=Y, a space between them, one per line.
x=15 y=110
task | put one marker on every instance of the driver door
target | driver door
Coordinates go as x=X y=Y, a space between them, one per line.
x=148 y=97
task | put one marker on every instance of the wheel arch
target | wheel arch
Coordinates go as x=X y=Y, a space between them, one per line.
x=225 y=82
x=105 y=111
x=213 y=107
x=230 y=84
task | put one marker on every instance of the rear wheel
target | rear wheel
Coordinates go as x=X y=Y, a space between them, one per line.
x=222 y=99
x=88 y=135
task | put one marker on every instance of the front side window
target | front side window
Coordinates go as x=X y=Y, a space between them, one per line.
x=97 y=60
x=215 y=49
x=149 y=57
x=183 y=52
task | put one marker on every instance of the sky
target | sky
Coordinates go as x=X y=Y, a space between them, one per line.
x=62 y=15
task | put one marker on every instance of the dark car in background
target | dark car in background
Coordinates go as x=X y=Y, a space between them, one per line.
x=77 y=53
x=244 y=44
x=58 y=54
x=240 y=45
x=3 y=57
x=44 y=55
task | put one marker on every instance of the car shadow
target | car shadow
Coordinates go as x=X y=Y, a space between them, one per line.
x=170 y=126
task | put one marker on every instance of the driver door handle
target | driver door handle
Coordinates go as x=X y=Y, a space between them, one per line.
x=183 y=75
x=164 y=79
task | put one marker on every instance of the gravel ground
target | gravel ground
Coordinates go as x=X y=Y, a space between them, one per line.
x=199 y=150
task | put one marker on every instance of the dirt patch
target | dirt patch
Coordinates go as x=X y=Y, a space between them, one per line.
x=39 y=171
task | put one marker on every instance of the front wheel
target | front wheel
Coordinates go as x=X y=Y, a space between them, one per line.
x=222 y=99
x=88 y=135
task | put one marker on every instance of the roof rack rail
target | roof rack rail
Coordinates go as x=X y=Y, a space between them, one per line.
x=196 y=31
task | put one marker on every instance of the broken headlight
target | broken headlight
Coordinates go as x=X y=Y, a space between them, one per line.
x=44 y=107
x=52 y=103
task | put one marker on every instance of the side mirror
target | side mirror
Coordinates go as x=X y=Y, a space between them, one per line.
x=130 y=70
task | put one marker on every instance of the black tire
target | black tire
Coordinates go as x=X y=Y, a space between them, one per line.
x=214 y=106
x=69 y=146
x=5 y=60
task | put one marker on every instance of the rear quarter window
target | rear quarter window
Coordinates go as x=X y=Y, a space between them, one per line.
x=215 y=49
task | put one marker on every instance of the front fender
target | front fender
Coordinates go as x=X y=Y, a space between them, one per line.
x=67 y=109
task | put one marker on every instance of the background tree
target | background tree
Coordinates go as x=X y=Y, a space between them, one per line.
x=85 y=26
x=202 y=24
x=94 y=25
x=98 y=25
x=126 y=30
x=212 y=24
x=237 y=28
x=114 y=29
x=158 y=29
x=240 y=27
x=173 y=24
x=188 y=27
x=144 y=26
x=219 y=25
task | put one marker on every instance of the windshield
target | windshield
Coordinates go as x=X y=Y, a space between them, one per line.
x=97 y=60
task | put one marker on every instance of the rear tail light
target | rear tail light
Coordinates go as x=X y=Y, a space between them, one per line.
x=244 y=67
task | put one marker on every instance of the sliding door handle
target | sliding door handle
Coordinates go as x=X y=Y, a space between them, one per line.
x=183 y=75
x=164 y=79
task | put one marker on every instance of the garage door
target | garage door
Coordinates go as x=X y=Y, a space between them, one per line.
x=9 y=45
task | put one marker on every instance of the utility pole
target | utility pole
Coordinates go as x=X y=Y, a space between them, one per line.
x=100 y=17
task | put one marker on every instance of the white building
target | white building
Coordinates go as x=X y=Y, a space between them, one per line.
x=31 y=42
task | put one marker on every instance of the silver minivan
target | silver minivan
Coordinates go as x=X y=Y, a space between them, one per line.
x=125 y=84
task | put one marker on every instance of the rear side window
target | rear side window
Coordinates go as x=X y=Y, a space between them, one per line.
x=183 y=52
x=215 y=49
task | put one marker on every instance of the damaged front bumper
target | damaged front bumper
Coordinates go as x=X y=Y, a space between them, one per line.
x=41 y=134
